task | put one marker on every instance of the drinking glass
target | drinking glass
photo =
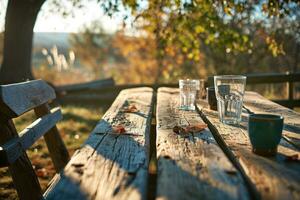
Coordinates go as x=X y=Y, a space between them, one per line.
x=188 y=91
x=230 y=91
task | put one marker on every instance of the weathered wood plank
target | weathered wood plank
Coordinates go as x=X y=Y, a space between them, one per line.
x=258 y=104
x=21 y=170
x=14 y=148
x=112 y=166
x=192 y=167
x=57 y=149
x=16 y=99
x=276 y=177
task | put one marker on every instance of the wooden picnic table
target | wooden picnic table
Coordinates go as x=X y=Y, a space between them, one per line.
x=148 y=160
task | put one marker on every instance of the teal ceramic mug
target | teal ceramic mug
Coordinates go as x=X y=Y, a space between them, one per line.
x=265 y=132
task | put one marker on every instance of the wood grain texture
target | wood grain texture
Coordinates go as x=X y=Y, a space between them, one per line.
x=274 y=177
x=16 y=99
x=24 y=178
x=57 y=149
x=112 y=166
x=192 y=167
x=15 y=147
x=258 y=104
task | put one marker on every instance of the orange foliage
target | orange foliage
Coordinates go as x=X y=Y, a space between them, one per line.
x=140 y=65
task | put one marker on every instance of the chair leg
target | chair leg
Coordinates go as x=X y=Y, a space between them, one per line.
x=23 y=174
x=57 y=149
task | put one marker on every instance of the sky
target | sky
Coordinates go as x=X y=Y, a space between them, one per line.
x=53 y=22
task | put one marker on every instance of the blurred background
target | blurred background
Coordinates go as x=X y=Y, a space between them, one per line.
x=161 y=41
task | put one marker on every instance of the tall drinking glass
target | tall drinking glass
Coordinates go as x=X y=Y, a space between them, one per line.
x=230 y=91
x=188 y=90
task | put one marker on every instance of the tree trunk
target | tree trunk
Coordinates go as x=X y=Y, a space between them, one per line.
x=294 y=69
x=19 y=22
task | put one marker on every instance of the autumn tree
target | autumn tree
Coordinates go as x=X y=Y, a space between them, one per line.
x=192 y=27
x=186 y=25
x=19 y=22
x=94 y=48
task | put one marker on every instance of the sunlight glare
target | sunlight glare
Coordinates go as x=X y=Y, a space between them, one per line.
x=55 y=22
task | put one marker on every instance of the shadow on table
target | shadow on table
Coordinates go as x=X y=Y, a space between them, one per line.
x=192 y=186
x=116 y=166
x=108 y=165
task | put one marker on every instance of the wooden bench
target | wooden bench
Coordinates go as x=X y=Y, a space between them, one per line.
x=15 y=100
x=148 y=160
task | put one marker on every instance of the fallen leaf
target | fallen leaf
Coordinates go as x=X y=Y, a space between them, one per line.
x=179 y=130
x=118 y=129
x=292 y=158
x=196 y=128
x=189 y=129
x=130 y=109
x=41 y=172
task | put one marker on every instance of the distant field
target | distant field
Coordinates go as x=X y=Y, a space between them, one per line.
x=77 y=123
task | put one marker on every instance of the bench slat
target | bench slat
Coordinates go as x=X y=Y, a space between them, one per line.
x=19 y=98
x=111 y=166
x=276 y=177
x=192 y=167
x=12 y=150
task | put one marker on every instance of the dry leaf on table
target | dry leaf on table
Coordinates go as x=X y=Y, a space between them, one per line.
x=179 y=130
x=292 y=158
x=196 y=128
x=118 y=129
x=189 y=129
x=130 y=109
x=42 y=173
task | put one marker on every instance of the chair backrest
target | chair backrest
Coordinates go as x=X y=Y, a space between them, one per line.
x=15 y=100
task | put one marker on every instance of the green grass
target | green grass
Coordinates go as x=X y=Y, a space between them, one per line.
x=77 y=123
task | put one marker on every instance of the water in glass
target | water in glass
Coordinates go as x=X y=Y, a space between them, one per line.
x=188 y=91
x=230 y=108
x=229 y=91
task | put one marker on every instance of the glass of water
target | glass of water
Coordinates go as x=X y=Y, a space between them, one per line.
x=230 y=91
x=188 y=91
